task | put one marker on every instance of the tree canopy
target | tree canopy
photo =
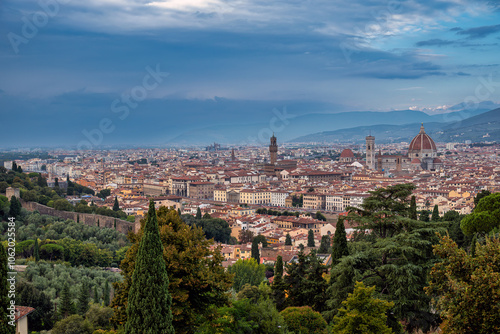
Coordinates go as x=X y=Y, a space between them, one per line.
x=466 y=288
x=149 y=302
x=395 y=257
x=197 y=278
x=362 y=313
x=247 y=271
x=485 y=217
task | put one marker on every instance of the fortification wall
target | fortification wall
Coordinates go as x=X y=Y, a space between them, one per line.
x=89 y=219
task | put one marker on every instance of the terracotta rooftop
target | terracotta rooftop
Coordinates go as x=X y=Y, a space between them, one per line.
x=22 y=311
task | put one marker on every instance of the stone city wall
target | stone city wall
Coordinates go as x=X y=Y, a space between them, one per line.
x=89 y=219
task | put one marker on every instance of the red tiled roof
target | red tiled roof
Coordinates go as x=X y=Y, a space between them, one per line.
x=347 y=153
x=422 y=141
x=22 y=311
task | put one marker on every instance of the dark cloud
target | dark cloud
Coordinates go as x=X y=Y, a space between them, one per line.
x=458 y=43
x=434 y=42
x=456 y=29
x=425 y=66
x=480 y=32
x=412 y=75
x=477 y=65
x=390 y=66
x=463 y=74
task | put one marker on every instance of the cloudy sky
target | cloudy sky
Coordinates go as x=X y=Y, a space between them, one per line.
x=65 y=65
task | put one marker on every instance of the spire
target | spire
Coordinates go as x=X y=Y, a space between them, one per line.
x=422 y=130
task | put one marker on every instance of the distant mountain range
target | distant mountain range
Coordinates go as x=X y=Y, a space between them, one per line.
x=390 y=126
x=455 y=128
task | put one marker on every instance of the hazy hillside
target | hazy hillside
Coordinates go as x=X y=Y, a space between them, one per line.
x=303 y=124
x=482 y=127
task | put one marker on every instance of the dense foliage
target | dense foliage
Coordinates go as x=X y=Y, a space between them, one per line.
x=50 y=279
x=197 y=278
x=362 y=313
x=245 y=316
x=67 y=240
x=4 y=299
x=466 y=288
x=247 y=271
x=485 y=218
x=395 y=257
x=149 y=302
x=33 y=188
x=304 y=320
x=304 y=283
x=213 y=228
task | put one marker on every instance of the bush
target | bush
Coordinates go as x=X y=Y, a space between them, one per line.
x=99 y=316
x=74 y=324
x=304 y=320
x=52 y=252
x=25 y=248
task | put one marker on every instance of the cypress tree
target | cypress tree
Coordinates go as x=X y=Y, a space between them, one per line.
x=198 y=213
x=473 y=246
x=77 y=218
x=278 y=267
x=424 y=216
x=56 y=184
x=435 y=214
x=413 y=208
x=96 y=295
x=116 y=206
x=278 y=287
x=14 y=166
x=255 y=250
x=4 y=295
x=83 y=299
x=66 y=306
x=98 y=223
x=325 y=245
x=341 y=285
x=36 y=251
x=15 y=207
x=288 y=240
x=41 y=181
x=179 y=212
x=295 y=281
x=339 y=248
x=149 y=302
x=105 y=293
x=310 y=239
x=314 y=285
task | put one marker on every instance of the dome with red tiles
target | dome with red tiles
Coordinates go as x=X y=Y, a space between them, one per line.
x=346 y=156
x=416 y=161
x=422 y=146
x=347 y=153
